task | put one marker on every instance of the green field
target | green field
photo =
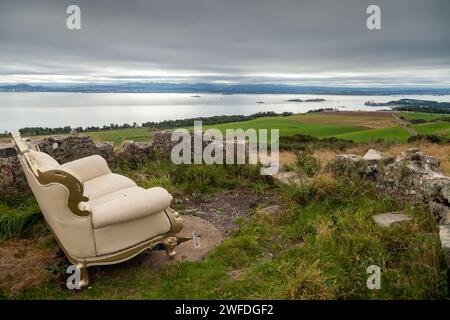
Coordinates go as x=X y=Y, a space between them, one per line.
x=290 y=127
x=422 y=115
x=398 y=134
x=287 y=127
x=439 y=128
x=359 y=127
x=120 y=135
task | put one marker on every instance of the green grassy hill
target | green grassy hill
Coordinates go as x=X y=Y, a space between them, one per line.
x=398 y=134
x=290 y=127
x=422 y=115
x=440 y=128
x=120 y=135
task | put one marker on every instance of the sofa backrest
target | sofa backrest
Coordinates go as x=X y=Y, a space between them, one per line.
x=58 y=192
x=44 y=161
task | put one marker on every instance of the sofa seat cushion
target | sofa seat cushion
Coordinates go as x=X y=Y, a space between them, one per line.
x=128 y=204
x=113 y=238
x=106 y=184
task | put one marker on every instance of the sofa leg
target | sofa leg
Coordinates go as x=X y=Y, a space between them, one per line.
x=170 y=244
x=84 y=281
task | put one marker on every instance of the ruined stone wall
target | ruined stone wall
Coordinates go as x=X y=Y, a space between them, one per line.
x=63 y=149
x=413 y=177
x=160 y=147
x=76 y=146
x=12 y=179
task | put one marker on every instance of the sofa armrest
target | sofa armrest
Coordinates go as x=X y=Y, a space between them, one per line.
x=130 y=204
x=88 y=168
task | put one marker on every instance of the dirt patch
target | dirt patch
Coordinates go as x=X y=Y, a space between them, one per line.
x=325 y=156
x=287 y=158
x=368 y=119
x=225 y=207
x=24 y=265
x=188 y=249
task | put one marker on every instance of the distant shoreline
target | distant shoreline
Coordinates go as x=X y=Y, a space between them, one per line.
x=224 y=89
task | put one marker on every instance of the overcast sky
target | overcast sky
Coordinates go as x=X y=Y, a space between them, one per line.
x=311 y=42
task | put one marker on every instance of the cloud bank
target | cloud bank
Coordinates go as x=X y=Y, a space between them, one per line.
x=314 y=42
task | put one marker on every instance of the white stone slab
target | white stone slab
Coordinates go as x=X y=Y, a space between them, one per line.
x=372 y=154
x=390 y=218
x=444 y=235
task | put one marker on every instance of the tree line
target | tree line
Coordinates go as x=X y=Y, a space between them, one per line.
x=166 y=124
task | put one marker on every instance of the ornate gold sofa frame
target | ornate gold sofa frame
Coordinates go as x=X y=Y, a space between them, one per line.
x=96 y=216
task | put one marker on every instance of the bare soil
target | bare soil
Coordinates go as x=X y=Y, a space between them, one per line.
x=225 y=207
x=24 y=265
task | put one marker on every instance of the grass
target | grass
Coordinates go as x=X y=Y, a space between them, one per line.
x=120 y=135
x=365 y=119
x=362 y=126
x=318 y=247
x=439 y=128
x=290 y=127
x=345 y=126
x=19 y=216
x=397 y=134
x=356 y=126
x=421 y=115
x=117 y=136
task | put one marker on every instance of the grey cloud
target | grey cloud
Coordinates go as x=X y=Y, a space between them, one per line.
x=211 y=40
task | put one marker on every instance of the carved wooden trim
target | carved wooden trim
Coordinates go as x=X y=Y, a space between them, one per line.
x=73 y=185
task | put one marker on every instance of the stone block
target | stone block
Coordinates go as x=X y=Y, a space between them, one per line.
x=390 y=218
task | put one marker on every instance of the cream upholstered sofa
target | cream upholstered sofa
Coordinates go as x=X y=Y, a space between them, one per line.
x=98 y=217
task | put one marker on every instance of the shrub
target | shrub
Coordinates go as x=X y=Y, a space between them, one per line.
x=306 y=163
x=301 y=141
x=348 y=170
x=433 y=138
x=418 y=121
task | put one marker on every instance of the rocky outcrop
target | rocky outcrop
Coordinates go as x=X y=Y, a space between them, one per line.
x=413 y=176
